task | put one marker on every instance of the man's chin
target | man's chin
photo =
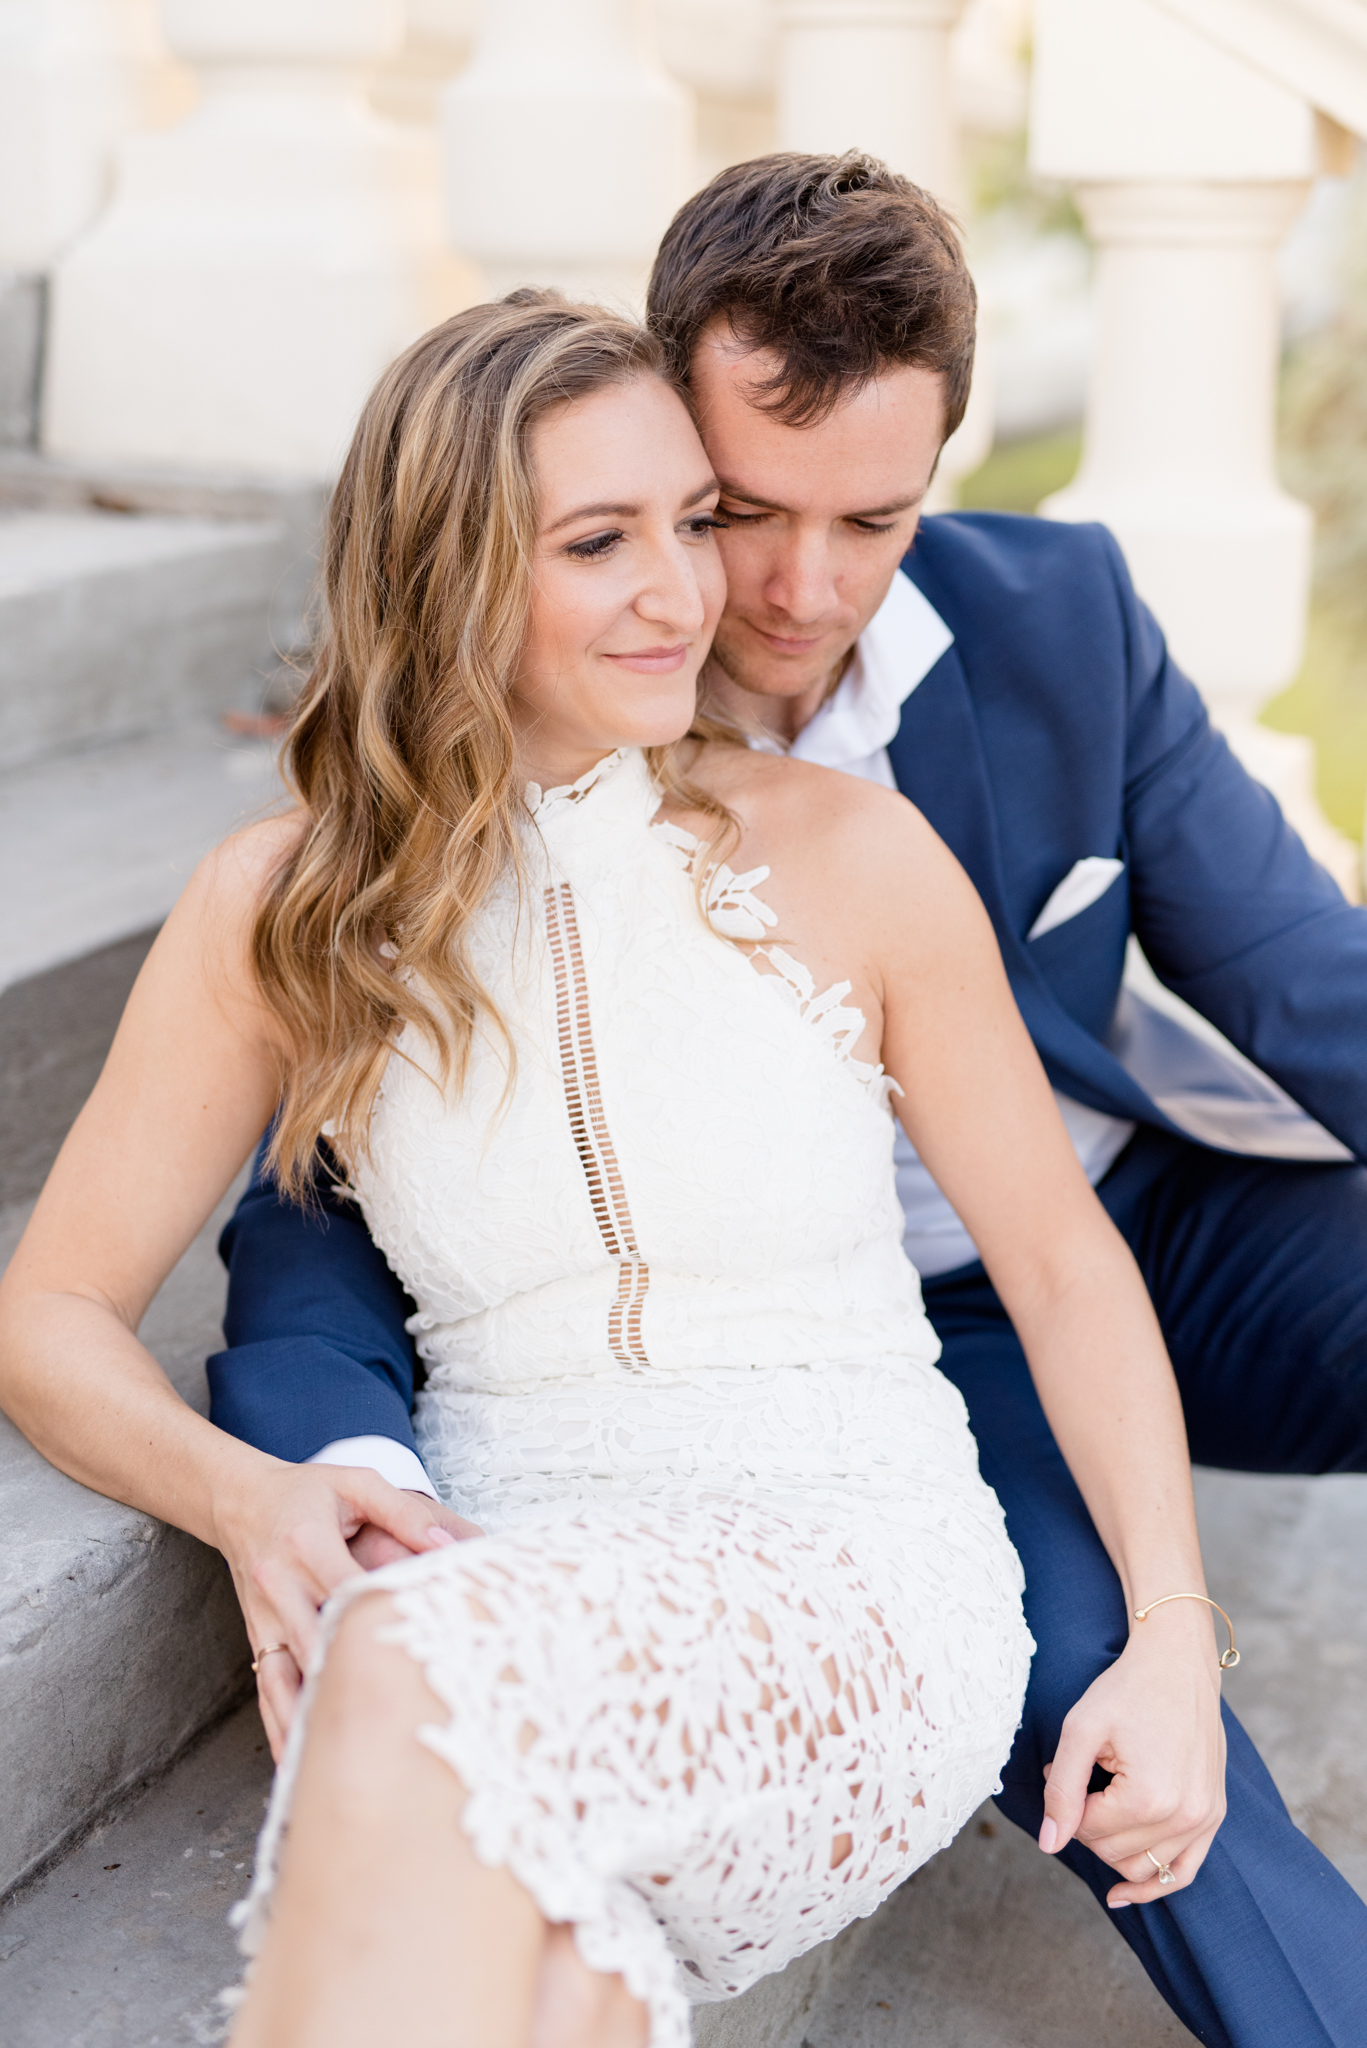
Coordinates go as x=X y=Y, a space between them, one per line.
x=766 y=675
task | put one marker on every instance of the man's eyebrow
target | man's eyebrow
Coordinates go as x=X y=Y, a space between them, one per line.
x=704 y=490
x=887 y=511
x=874 y=512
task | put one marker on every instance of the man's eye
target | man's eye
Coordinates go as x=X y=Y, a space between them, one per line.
x=729 y=518
x=594 y=549
x=874 y=525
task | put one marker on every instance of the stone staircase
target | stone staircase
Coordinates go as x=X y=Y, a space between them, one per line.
x=137 y=610
x=134 y=611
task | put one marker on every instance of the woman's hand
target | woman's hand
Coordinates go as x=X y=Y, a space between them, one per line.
x=286 y=1540
x=1153 y=1721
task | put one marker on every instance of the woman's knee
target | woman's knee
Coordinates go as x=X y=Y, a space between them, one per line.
x=369 y=1689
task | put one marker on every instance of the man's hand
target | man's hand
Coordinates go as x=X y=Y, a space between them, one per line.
x=373 y=1547
x=1152 y=1720
x=286 y=1541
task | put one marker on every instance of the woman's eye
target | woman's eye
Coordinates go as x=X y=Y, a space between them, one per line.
x=594 y=549
x=707 y=522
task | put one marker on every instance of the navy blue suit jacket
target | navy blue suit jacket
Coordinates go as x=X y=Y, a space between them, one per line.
x=1054 y=728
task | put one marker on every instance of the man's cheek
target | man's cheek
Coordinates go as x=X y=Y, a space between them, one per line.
x=746 y=563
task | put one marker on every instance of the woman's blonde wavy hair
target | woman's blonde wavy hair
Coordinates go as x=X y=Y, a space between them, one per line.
x=401 y=751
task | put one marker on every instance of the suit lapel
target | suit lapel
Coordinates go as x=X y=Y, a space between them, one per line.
x=937 y=758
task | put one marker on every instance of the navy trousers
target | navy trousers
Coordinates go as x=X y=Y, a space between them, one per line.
x=1258 y=1271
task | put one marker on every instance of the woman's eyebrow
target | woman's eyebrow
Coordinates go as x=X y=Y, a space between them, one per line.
x=594 y=512
x=624 y=511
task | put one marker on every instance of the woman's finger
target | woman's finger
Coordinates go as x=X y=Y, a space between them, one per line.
x=1120 y=1825
x=1065 y=1788
x=1143 y=1884
x=413 y=1519
x=278 y=1685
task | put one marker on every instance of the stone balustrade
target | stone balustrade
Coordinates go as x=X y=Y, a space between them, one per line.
x=1190 y=166
x=259 y=263
x=566 y=147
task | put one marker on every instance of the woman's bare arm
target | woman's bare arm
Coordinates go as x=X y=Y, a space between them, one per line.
x=879 y=892
x=189 y=1085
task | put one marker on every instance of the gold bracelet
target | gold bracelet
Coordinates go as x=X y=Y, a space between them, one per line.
x=1231 y=1656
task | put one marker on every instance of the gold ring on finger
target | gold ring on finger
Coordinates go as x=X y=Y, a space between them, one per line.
x=266 y=1650
x=1165 y=1875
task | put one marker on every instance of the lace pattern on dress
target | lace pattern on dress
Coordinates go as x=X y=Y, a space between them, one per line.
x=592 y=1139
x=735 y=912
x=710 y=1733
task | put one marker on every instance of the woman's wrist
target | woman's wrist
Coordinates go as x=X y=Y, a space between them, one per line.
x=235 y=1483
x=1181 y=1629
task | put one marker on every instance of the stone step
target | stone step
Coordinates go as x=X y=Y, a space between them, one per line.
x=113 y=625
x=294 y=506
x=120 y=1639
x=97 y=845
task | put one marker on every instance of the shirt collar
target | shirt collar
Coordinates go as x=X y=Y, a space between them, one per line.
x=896 y=650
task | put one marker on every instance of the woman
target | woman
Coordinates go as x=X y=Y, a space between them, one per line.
x=605 y=1015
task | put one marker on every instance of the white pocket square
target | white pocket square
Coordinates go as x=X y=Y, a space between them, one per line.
x=1080 y=888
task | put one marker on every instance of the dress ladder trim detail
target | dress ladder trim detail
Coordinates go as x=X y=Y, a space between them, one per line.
x=588 y=1125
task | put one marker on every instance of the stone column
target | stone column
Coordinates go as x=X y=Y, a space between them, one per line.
x=875 y=75
x=1179 y=445
x=75 y=77
x=1189 y=168
x=260 y=263
x=567 y=147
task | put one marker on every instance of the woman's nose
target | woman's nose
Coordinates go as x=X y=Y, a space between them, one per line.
x=673 y=596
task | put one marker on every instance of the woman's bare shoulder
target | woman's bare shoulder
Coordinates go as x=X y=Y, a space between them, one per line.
x=791 y=804
x=217 y=911
x=239 y=871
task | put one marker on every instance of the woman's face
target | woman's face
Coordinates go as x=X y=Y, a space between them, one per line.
x=628 y=585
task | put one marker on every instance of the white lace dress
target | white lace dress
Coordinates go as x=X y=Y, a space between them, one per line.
x=741 y=1576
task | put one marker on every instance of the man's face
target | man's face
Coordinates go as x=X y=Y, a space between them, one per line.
x=818 y=518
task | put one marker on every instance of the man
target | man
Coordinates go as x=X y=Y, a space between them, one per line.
x=1003 y=675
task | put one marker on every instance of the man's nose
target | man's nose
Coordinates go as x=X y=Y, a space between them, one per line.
x=801 y=580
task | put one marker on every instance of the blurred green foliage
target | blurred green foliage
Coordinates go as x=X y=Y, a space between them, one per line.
x=1018 y=474
x=1005 y=189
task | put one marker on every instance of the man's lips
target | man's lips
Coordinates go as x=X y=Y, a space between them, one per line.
x=653 y=661
x=789 y=643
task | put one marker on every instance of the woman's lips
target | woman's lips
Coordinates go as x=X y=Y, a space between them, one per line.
x=653 y=661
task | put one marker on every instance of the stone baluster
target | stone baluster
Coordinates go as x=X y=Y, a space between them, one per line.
x=566 y=146
x=259 y=263
x=437 y=38
x=875 y=75
x=1189 y=168
x=75 y=77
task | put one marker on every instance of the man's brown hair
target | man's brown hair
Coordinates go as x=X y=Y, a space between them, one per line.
x=836 y=264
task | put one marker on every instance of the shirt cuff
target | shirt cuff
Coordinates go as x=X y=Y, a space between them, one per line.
x=393 y=1461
